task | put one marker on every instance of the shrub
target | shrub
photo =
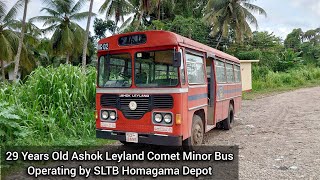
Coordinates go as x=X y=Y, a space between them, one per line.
x=54 y=104
x=265 y=79
x=249 y=55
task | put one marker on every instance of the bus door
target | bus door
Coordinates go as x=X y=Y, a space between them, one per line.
x=211 y=90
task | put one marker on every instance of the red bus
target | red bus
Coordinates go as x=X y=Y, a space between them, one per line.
x=157 y=87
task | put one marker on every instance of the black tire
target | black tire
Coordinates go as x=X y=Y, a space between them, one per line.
x=227 y=123
x=197 y=133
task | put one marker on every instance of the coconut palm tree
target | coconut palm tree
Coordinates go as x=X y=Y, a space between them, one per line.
x=62 y=16
x=235 y=15
x=17 y=58
x=8 y=38
x=85 y=43
x=117 y=9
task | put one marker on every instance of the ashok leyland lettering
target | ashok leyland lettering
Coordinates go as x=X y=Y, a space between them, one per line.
x=157 y=87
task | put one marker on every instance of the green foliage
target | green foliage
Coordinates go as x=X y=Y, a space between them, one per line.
x=190 y=8
x=102 y=26
x=233 y=15
x=265 y=79
x=294 y=39
x=61 y=19
x=289 y=59
x=54 y=105
x=9 y=123
x=190 y=27
x=249 y=55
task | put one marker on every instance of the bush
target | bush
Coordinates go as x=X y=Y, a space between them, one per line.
x=54 y=105
x=265 y=79
x=249 y=55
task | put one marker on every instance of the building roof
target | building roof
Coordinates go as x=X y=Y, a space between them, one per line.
x=166 y=38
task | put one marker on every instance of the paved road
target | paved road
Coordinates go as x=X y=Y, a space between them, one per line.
x=278 y=136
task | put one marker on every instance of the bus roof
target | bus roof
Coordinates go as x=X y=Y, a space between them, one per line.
x=166 y=38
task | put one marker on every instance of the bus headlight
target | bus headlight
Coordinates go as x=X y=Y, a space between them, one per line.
x=167 y=118
x=104 y=115
x=158 y=118
x=112 y=115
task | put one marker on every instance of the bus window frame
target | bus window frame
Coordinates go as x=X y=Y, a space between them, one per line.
x=153 y=50
x=238 y=65
x=183 y=70
x=199 y=54
x=225 y=70
x=107 y=55
x=232 y=64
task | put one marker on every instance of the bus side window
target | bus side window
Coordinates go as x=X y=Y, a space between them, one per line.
x=102 y=70
x=220 y=71
x=230 y=75
x=195 y=69
x=237 y=73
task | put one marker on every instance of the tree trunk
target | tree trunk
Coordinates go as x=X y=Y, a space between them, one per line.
x=67 y=58
x=85 y=42
x=2 y=71
x=17 y=58
x=219 y=41
x=159 y=10
x=139 y=20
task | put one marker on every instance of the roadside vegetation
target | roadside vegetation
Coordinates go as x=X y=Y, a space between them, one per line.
x=55 y=106
x=52 y=103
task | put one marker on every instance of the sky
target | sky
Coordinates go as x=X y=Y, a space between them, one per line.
x=282 y=15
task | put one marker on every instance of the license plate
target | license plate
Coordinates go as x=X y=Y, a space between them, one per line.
x=132 y=137
x=163 y=129
x=108 y=125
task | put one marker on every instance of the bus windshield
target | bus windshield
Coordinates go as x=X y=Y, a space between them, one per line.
x=115 y=70
x=155 y=69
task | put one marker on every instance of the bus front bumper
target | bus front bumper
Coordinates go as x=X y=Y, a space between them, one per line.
x=142 y=138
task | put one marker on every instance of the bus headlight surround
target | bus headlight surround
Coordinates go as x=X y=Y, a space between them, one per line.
x=104 y=115
x=113 y=115
x=167 y=118
x=158 y=117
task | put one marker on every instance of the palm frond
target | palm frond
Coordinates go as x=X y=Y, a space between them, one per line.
x=250 y=17
x=12 y=13
x=49 y=29
x=81 y=16
x=255 y=8
x=50 y=11
x=77 y=7
x=125 y=23
x=6 y=48
x=12 y=37
x=3 y=8
x=105 y=6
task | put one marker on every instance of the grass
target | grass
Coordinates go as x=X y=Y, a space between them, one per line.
x=266 y=82
x=55 y=106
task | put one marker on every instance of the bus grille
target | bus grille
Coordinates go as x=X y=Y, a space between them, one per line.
x=162 y=101
x=144 y=104
x=142 y=107
x=108 y=100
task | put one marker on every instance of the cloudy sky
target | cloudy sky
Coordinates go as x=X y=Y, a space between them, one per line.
x=283 y=15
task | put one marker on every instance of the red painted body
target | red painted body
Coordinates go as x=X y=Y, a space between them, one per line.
x=185 y=102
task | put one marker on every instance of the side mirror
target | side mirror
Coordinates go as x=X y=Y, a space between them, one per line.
x=177 y=58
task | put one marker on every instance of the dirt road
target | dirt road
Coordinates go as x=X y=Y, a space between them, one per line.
x=278 y=136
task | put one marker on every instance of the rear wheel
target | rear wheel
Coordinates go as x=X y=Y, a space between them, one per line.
x=226 y=124
x=197 y=133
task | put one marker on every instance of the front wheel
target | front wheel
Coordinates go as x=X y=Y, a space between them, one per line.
x=226 y=124
x=197 y=133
